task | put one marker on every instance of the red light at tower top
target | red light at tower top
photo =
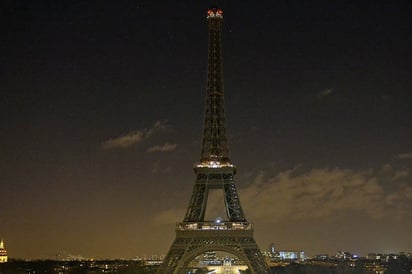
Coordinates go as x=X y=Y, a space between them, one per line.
x=214 y=12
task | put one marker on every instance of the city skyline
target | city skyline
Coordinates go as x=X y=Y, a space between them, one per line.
x=102 y=107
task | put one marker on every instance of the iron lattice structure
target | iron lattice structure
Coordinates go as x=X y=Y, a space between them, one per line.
x=195 y=235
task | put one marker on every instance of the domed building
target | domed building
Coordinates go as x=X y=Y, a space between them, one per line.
x=3 y=253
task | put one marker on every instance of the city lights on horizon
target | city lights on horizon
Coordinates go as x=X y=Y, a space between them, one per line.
x=284 y=254
x=102 y=126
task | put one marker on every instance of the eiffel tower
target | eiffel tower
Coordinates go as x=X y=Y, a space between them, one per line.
x=195 y=235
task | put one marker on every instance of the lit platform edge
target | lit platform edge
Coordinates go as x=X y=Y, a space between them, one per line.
x=214 y=164
x=213 y=226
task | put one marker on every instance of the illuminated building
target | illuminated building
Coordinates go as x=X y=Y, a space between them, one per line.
x=345 y=255
x=3 y=253
x=292 y=255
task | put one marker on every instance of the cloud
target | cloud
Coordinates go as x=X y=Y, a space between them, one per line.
x=124 y=141
x=134 y=137
x=320 y=193
x=158 y=126
x=404 y=156
x=401 y=174
x=325 y=93
x=163 y=148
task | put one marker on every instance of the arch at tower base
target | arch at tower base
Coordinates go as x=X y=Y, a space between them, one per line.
x=194 y=239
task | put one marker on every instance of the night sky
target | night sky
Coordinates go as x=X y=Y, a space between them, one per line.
x=101 y=115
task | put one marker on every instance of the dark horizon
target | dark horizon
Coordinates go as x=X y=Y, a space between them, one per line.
x=102 y=112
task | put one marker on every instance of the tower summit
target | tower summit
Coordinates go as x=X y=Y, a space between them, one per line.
x=196 y=235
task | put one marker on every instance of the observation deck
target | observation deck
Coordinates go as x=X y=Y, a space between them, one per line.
x=213 y=226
